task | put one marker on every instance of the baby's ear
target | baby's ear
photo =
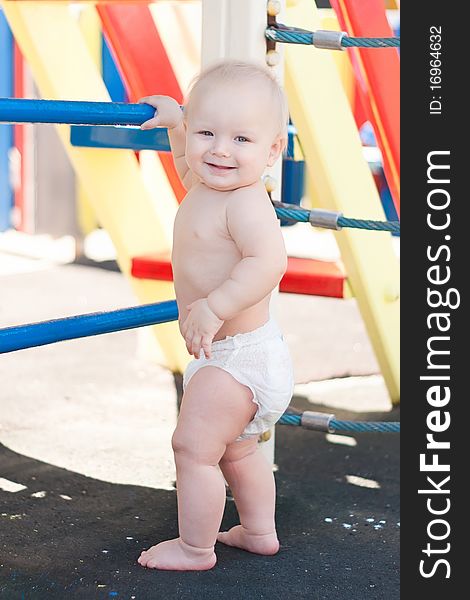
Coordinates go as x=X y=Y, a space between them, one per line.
x=276 y=149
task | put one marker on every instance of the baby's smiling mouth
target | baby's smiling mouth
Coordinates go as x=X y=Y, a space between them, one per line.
x=220 y=167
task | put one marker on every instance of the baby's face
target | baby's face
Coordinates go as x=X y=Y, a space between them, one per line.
x=231 y=135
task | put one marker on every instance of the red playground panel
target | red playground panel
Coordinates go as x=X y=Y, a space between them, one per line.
x=303 y=275
x=314 y=277
x=143 y=62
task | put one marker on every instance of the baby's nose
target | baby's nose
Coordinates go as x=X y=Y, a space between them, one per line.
x=219 y=148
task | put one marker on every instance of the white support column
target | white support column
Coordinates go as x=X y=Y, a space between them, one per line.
x=234 y=29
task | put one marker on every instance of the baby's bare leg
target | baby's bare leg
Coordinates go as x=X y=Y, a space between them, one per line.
x=214 y=411
x=251 y=480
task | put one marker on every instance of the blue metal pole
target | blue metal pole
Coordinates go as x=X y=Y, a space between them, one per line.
x=73 y=112
x=69 y=328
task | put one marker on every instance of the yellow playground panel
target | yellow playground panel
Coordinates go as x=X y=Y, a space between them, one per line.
x=342 y=181
x=90 y=27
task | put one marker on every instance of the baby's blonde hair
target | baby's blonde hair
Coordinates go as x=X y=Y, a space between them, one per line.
x=233 y=71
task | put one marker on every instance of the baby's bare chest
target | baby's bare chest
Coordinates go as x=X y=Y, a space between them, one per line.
x=203 y=252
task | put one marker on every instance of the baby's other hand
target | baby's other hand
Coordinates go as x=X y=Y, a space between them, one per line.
x=168 y=113
x=200 y=327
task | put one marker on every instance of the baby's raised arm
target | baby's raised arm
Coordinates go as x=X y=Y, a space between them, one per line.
x=170 y=115
x=254 y=227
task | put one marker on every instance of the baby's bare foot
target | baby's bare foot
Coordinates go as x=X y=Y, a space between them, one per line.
x=176 y=555
x=238 y=536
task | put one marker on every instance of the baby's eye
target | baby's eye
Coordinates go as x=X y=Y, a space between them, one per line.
x=241 y=138
x=207 y=133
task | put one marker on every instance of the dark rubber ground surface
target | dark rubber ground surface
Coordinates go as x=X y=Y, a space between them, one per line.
x=86 y=547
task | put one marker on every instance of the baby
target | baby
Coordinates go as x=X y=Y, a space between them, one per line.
x=228 y=255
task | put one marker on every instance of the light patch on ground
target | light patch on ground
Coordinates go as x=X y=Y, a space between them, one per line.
x=87 y=427
x=362 y=482
x=344 y=440
x=89 y=405
x=10 y=486
x=356 y=394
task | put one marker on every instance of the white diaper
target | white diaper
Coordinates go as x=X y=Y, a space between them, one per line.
x=259 y=359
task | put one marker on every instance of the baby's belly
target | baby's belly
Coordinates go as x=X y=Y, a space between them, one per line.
x=248 y=320
x=197 y=279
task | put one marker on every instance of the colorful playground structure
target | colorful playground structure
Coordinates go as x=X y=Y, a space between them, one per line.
x=104 y=56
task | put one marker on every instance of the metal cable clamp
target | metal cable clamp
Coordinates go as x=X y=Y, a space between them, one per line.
x=331 y=40
x=317 y=421
x=328 y=219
